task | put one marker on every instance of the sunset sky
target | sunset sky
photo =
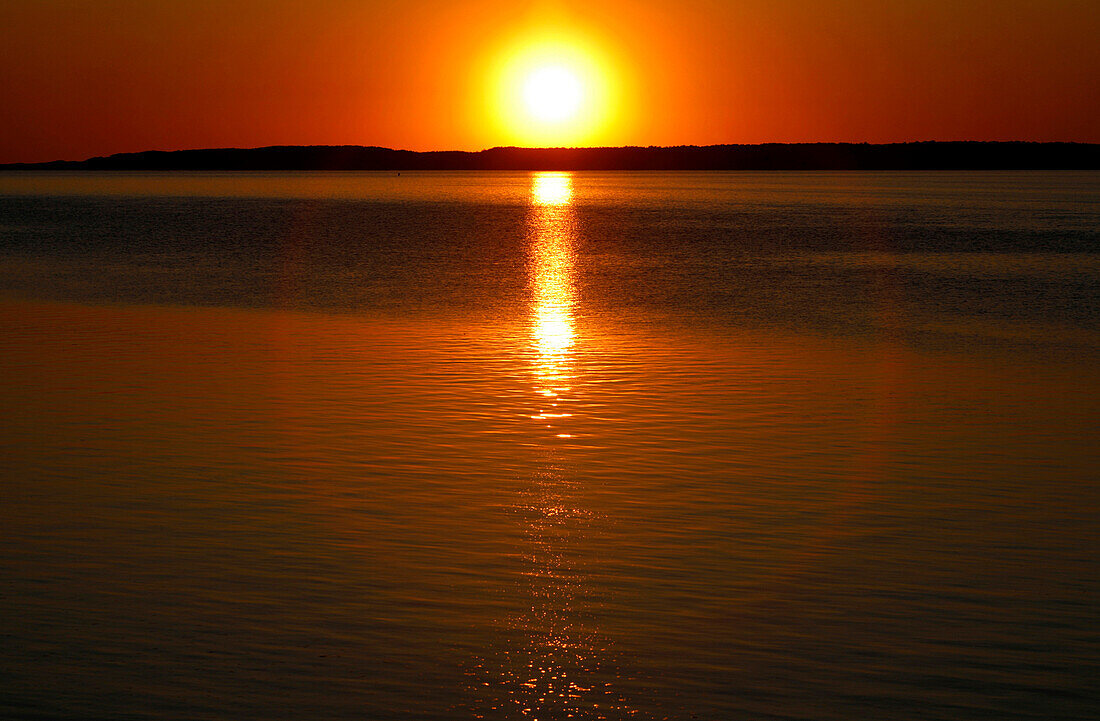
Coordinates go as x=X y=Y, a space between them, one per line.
x=80 y=78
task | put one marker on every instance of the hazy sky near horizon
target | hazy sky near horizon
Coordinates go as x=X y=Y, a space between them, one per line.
x=80 y=78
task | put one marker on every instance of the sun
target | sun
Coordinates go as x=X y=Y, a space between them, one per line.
x=552 y=90
x=552 y=94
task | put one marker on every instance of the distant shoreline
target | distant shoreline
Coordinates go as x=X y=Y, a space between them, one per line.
x=930 y=155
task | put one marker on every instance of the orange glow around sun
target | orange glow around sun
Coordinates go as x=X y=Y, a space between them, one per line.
x=557 y=90
x=430 y=75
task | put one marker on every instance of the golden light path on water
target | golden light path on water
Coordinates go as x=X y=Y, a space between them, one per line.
x=552 y=276
x=552 y=660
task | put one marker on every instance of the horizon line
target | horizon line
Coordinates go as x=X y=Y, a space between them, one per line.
x=281 y=146
x=917 y=154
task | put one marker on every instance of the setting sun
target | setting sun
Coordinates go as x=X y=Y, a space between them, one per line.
x=553 y=90
x=552 y=94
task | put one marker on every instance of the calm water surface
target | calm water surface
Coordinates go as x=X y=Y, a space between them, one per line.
x=549 y=446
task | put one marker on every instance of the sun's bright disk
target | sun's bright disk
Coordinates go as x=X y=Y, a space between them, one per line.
x=552 y=89
x=552 y=93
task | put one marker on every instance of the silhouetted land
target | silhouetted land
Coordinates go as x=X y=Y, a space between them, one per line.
x=771 y=156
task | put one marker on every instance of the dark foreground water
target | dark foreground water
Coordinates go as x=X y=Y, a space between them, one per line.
x=686 y=446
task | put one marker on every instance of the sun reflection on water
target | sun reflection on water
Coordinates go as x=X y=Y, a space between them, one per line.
x=551 y=189
x=551 y=249
x=552 y=661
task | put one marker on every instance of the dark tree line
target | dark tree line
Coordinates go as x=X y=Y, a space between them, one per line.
x=769 y=156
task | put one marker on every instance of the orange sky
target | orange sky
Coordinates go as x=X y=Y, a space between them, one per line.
x=91 y=77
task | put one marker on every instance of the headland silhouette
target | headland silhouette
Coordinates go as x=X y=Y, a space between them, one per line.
x=928 y=155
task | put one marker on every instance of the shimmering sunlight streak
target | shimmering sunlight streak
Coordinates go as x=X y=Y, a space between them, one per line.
x=552 y=274
x=555 y=663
